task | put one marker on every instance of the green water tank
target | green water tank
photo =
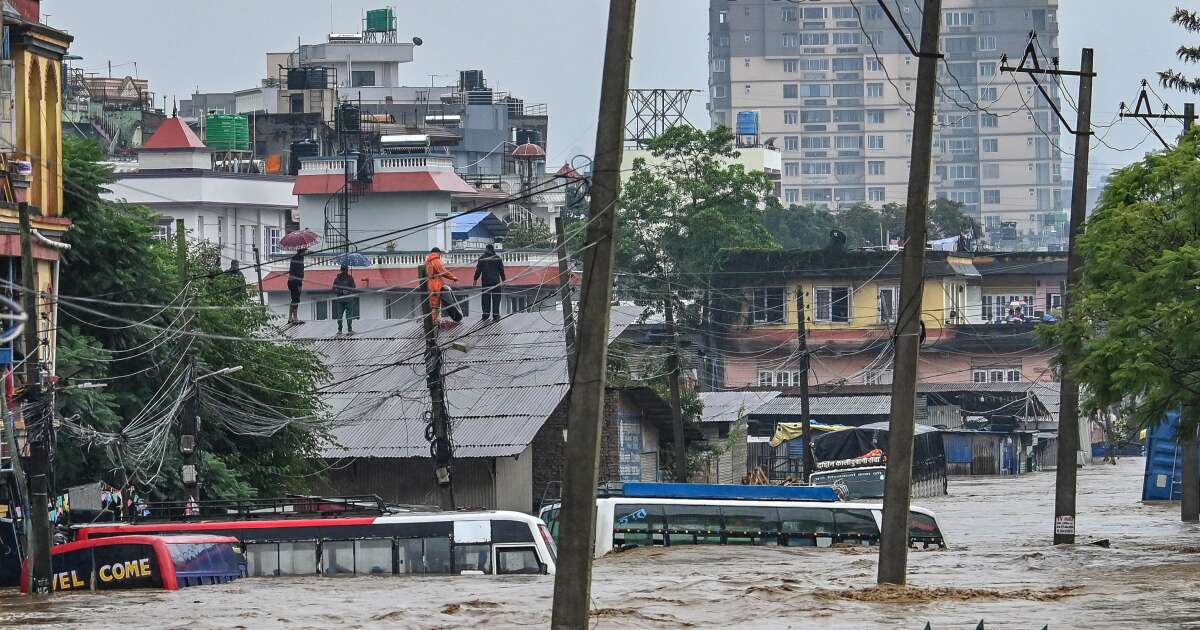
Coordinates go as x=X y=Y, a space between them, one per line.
x=226 y=132
x=380 y=20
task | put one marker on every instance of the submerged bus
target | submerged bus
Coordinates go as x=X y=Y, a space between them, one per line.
x=465 y=542
x=624 y=522
x=125 y=562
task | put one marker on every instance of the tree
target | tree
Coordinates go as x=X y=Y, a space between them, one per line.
x=687 y=202
x=529 y=234
x=1136 y=314
x=116 y=257
x=800 y=227
x=808 y=227
x=1190 y=21
x=947 y=219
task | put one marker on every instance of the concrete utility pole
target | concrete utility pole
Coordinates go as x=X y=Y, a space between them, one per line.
x=190 y=423
x=441 y=448
x=681 y=467
x=893 y=540
x=564 y=294
x=573 y=582
x=810 y=462
x=38 y=427
x=262 y=298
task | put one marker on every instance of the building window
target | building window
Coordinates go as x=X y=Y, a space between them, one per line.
x=718 y=65
x=988 y=94
x=718 y=91
x=876 y=167
x=987 y=42
x=814 y=39
x=878 y=376
x=296 y=104
x=991 y=171
x=362 y=78
x=791 y=195
x=960 y=18
x=875 y=194
x=768 y=306
x=273 y=236
x=843 y=13
x=518 y=303
x=990 y=145
x=816 y=116
x=791 y=40
x=817 y=168
x=1000 y=374
x=874 y=142
x=1053 y=301
x=164 y=232
x=987 y=18
x=889 y=303
x=791 y=143
x=791 y=90
x=963 y=171
x=790 y=116
x=987 y=69
x=961 y=146
x=874 y=65
x=991 y=196
x=790 y=65
x=815 y=142
x=832 y=305
x=874 y=90
x=789 y=14
x=847 y=38
x=778 y=378
x=791 y=168
x=875 y=116
x=848 y=142
x=989 y=121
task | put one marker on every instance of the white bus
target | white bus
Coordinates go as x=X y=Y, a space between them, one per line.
x=627 y=522
x=483 y=542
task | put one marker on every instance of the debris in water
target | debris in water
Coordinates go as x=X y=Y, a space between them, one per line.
x=917 y=594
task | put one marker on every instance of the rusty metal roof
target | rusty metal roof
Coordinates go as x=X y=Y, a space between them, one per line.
x=503 y=380
x=730 y=406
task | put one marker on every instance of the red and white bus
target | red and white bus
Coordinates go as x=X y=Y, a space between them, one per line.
x=141 y=561
x=480 y=542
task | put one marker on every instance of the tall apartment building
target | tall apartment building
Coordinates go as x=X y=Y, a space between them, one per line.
x=841 y=109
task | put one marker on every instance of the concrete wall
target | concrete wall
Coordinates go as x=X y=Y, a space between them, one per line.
x=375 y=217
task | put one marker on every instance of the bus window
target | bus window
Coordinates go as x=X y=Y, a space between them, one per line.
x=856 y=525
x=337 y=557
x=437 y=555
x=262 y=559
x=298 y=558
x=635 y=524
x=373 y=557
x=517 y=561
x=694 y=524
x=802 y=526
x=751 y=525
x=922 y=528
x=551 y=519
x=473 y=557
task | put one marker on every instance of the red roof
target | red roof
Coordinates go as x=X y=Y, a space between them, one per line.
x=173 y=133
x=406 y=278
x=529 y=151
x=567 y=171
x=421 y=181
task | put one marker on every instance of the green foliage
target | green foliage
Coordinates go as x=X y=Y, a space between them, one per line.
x=689 y=202
x=115 y=256
x=529 y=234
x=808 y=227
x=1133 y=323
x=1190 y=21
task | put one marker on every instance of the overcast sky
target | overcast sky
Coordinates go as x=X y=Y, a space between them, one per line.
x=550 y=51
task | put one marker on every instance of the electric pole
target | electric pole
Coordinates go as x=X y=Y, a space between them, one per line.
x=190 y=422
x=38 y=427
x=439 y=423
x=681 y=467
x=573 y=582
x=1188 y=116
x=893 y=540
x=564 y=294
x=262 y=298
x=1068 y=416
x=810 y=464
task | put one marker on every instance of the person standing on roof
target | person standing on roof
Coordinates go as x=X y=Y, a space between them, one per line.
x=296 y=284
x=437 y=273
x=490 y=269
x=343 y=286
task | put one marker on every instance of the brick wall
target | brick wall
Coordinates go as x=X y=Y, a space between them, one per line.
x=549 y=449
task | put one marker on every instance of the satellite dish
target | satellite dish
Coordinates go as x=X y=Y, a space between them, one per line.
x=417 y=41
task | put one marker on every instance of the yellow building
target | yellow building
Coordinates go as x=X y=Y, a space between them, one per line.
x=31 y=140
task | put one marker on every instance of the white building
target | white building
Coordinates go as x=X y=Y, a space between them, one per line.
x=236 y=211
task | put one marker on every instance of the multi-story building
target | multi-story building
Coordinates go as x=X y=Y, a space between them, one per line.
x=834 y=83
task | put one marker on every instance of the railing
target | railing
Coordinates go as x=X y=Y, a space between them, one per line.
x=272 y=508
x=337 y=165
x=413 y=259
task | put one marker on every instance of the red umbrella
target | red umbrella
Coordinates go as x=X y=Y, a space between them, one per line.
x=300 y=239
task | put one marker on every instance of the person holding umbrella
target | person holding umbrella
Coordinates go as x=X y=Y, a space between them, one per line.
x=343 y=286
x=300 y=241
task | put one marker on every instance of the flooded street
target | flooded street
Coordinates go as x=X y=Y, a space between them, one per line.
x=999 y=567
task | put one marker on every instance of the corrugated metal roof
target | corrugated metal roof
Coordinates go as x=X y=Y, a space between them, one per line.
x=828 y=406
x=499 y=391
x=729 y=406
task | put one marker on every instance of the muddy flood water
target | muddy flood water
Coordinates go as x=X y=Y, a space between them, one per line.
x=999 y=567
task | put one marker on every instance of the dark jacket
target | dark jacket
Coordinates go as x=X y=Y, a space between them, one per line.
x=296 y=269
x=343 y=284
x=490 y=267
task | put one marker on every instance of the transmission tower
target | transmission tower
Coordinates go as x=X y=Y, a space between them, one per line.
x=652 y=112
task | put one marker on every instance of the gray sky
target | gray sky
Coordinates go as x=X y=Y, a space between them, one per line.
x=551 y=50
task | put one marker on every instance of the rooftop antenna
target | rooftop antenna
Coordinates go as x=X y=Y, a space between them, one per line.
x=330 y=16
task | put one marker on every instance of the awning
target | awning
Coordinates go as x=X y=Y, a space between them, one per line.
x=10 y=245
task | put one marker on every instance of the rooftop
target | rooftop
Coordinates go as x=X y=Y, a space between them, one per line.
x=174 y=134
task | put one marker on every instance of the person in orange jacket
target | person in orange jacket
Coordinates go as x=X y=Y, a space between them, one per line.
x=437 y=273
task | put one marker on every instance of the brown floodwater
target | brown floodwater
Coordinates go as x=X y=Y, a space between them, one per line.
x=999 y=567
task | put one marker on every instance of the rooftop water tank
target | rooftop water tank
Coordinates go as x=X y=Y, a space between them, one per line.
x=227 y=132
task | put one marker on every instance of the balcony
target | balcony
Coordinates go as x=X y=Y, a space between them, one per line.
x=397 y=164
x=393 y=260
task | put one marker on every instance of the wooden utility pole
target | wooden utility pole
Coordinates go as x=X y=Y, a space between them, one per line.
x=681 y=467
x=37 y=422
x=893 y=540
x=573 y=582
x=564 y=294
x=810 y=464
x=190 y=423
x=442 y=449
